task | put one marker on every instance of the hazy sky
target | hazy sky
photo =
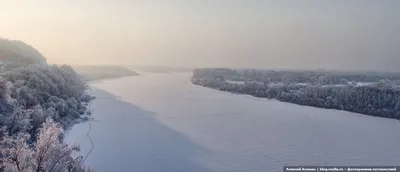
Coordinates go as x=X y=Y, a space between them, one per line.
x=334 y=34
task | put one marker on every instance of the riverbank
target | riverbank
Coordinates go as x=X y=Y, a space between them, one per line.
x=367 y=100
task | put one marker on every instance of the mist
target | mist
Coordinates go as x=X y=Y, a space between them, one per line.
x=341 y=34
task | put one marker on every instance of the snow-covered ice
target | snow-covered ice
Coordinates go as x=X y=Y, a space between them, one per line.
x=161 y=122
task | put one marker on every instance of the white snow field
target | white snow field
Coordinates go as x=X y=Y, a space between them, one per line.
x=163 y=123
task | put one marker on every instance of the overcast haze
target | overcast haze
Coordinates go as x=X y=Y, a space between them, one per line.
x=305 y=34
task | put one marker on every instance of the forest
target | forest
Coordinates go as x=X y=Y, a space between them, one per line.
x=160 y=69
x=38 y=102
x=369 y=93
x=90 y=73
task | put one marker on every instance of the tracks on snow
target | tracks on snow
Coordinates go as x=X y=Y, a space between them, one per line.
x=91 y=142
x=88 y=135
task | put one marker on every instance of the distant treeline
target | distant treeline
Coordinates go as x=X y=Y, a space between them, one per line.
x=90 y=73
x=324 y=89
x=160 y=69
x=312 y=77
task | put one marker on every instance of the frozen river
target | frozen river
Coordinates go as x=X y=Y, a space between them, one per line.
x=161 y=122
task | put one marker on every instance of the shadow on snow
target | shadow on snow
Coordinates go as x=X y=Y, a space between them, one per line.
x=129 y=138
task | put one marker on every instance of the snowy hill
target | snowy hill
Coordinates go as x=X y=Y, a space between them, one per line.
x=14 y=53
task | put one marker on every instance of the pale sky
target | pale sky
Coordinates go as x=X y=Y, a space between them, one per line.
x=309 y=34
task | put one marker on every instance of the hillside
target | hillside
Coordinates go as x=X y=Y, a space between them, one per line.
x=37 y=103
x=14 y=53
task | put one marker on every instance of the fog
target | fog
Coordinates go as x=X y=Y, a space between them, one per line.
x=303 y=34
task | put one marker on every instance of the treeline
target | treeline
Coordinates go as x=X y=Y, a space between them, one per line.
x=160 y=69
x=91 y=73
x=289 y=77
x=376 y=100
x=37 y=103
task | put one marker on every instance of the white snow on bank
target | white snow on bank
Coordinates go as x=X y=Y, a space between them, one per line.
x=236 y=82
x=159 y=122
x=302 y=84
x=364 y=83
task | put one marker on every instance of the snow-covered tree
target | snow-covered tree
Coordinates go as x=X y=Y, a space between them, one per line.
x=16 y=155
x=321 y=88
x=31 y=92
x=48 y=154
